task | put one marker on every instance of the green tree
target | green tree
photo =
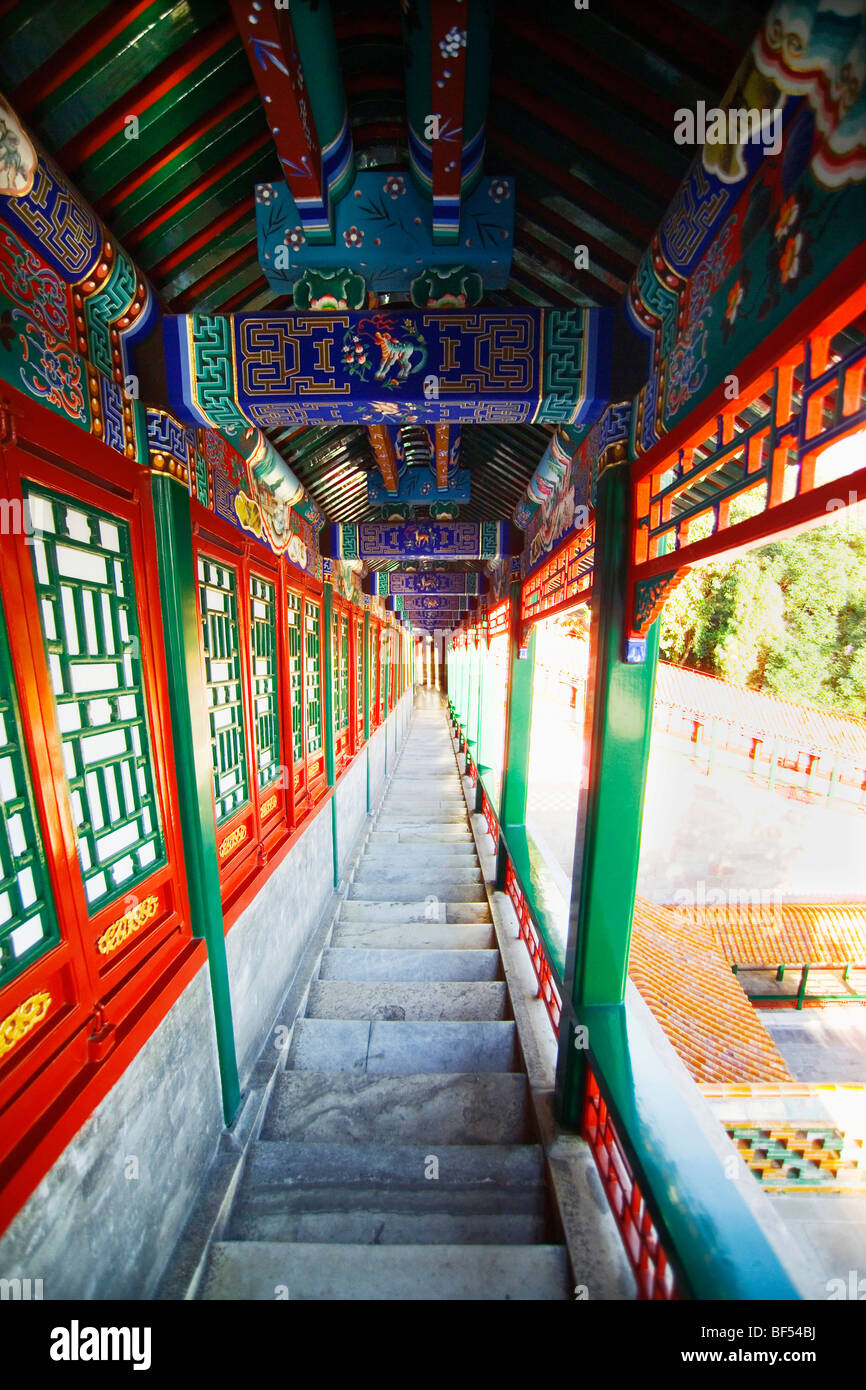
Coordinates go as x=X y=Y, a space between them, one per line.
x=789 y=619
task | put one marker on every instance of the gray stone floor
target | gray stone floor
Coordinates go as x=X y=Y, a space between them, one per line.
x=826 y=1044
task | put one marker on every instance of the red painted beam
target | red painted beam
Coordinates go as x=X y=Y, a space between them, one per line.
x=166 y=78
x=442 y=455
x=549 y=220
x=94 y=37
x=576 y=190
x=204 y=239
x=269 y=40
x=562 y=48
x=587 y=136
x=670 y=28
x=195 y=190
x=176 y=148
x=448 y=99
x=233 y=262
x=383 y=449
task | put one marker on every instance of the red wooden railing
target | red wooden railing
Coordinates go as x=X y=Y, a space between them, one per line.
x=547 y=990
x=646 y=1255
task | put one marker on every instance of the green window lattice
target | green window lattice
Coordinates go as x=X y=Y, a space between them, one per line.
x=359 y=676
x=339 y=633
x=263 y=656
x=222 y=660
x=28 y=927
x=314 y=681
x=293 y=619
x=344 y=672
x=83 y=569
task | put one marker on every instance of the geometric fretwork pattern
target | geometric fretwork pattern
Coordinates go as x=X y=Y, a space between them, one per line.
x=222 y=663
x=340 y=634
x=359 y=678
x=84 y=580
x=263 y=656
x=293 y=619
x=28 y=927
x=314 y=677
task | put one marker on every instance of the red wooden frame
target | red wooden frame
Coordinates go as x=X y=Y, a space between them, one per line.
x=343 y=740
x=258 y=829
x=103 y=1003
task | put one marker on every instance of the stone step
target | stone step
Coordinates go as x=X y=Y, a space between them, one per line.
x=408 y=1000
x=265 y=1270
x=282 y=1178
x=438 y=910
x=409 y=965
x=391 y=1048
x=415 y=836
x=379 y=888
x=371 y=1226
x=396 y=874
x=462 y=853
x=418 y=936
x=430 y=1109
x=421 y=818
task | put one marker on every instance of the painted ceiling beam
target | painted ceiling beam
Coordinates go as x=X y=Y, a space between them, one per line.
x=421 y=540
x=548 y=476
x=444 y=444
x=383 y=450
x=447 y=44
x=421 y=606
x=489 y=366
x=409 y=582
x=295 y=64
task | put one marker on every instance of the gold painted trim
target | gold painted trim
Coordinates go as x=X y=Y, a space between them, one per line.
x=114 y=936
x=19 y=1023
x=232 y=841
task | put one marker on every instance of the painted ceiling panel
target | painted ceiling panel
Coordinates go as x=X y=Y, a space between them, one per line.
x=581 y=115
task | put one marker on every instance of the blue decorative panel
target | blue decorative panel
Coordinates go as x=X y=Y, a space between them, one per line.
x=489 y=366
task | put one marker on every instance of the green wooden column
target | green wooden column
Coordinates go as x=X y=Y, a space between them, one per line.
x=330 y=762
x=518 y=726
x=189 y=725
x=610 y=808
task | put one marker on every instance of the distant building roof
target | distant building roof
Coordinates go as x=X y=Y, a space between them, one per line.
x=689 y=985
x=765 y=715
x=829 y=934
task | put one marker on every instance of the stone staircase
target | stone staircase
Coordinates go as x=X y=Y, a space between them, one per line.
x=397 y=1158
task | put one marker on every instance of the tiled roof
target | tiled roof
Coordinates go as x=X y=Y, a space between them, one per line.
x=829 y=934
x=690 y=988
x=764 y=715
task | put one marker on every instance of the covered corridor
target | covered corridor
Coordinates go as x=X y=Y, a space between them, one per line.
x=339 y=347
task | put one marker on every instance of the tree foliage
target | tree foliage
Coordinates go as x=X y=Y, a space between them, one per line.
x=789 y=619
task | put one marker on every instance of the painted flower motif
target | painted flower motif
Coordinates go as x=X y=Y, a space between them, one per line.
x=788 y=214
x=295 y=237
x=353 y=236
x=265 y=193
x=394 y=186
x=789 y=264
x=452 y=43
x=499 y=190
x=736 y=295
